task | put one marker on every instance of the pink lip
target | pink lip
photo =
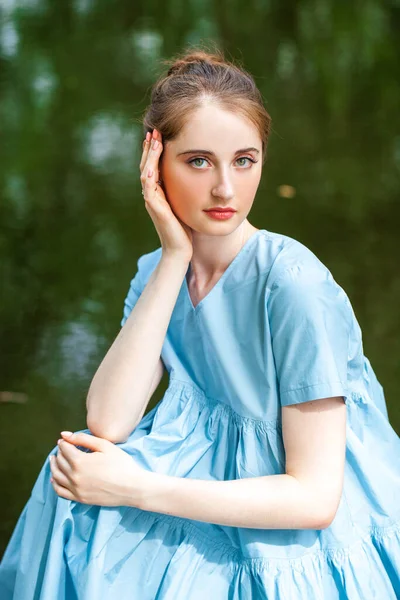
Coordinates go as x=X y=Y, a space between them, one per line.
x=220 y=210
x=220 y=215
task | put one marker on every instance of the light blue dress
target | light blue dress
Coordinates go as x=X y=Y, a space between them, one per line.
x=275 y=330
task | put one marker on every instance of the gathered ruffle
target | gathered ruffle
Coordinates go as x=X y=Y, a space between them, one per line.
x=72 y=551
x=188 y=433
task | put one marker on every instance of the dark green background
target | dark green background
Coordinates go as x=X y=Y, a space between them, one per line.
x=75 y=79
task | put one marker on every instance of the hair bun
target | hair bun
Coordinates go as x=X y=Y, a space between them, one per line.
x=199 y=57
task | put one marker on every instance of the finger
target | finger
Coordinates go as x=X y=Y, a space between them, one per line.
x=70 y=453
x=145 y=152
x=144 y=161
x=63 y=463
x=150 y=146
x=86 y=440
x=149 y=140
x=149 y=186
x=58 y=476
x=151 y=168
x=154 y=152
x=63 y=492
x=159 y=136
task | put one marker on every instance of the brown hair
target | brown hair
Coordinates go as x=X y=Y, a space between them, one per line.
x=197 y=75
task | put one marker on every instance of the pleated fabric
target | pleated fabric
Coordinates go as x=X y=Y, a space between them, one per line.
x=275 y=330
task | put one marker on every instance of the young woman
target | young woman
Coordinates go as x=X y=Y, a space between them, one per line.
x=269 y=469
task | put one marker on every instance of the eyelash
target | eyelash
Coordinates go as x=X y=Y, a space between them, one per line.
x=202 y=158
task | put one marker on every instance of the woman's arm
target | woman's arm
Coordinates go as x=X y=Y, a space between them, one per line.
x=124 y=381
x=306 y=496
x=122 y=384
x=158 y=373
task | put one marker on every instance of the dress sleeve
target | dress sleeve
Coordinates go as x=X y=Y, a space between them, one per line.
x=310 y=321
x=145 y=265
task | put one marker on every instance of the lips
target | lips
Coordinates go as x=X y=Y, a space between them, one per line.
x=220 y=210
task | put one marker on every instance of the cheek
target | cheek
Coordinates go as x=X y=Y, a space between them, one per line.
x=187 y=187
x=184 y=185
x=246 y=187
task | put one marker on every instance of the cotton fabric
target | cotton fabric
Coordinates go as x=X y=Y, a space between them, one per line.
x=275 y=330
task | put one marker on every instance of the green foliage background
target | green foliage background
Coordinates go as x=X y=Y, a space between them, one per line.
x=75 y=77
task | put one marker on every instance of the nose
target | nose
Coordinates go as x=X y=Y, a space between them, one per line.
x=224 y=187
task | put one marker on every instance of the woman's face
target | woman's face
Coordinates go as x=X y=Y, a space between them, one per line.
x=216 y=161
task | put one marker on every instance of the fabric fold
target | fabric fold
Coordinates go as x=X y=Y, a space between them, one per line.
x=276 y=330
x=81 y=551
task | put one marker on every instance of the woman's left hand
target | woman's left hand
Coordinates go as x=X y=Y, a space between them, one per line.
x=107 y=476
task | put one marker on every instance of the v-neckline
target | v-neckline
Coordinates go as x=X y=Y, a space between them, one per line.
x=195 y=309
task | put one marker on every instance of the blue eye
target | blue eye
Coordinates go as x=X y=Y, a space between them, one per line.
x=194 y=160
x=245 y=158
x=202 y=160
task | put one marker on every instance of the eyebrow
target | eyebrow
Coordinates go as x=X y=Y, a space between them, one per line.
x=251 y=149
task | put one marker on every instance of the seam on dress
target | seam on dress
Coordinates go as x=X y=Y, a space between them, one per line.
x=284 y=247
x=200 y=396
x=266 y=562
x=314 y=385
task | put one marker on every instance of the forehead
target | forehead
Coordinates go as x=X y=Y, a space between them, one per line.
x=213 y=125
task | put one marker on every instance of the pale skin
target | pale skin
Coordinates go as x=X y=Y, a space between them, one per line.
x=307 y=495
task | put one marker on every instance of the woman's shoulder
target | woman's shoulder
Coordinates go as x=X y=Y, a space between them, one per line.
x=298 y=276
x=277 y=254
x=285 y=255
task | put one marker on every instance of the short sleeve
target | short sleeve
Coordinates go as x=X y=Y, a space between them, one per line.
x=310 y=320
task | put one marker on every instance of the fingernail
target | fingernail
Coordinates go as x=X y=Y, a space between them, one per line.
x=58 y=441
x=67 y=433
x=155 y=145
x=148 y=136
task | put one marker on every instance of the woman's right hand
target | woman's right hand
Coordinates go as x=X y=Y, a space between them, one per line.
x=175 y=236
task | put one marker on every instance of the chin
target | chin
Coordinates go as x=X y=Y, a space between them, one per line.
x=210 y=227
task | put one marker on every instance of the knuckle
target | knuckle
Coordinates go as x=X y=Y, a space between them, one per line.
x=76 y=462
x=80 y=496
x=76 y=479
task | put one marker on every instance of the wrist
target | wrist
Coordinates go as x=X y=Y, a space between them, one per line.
x=175 y=267
x=175 y=258
x=154 y=491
